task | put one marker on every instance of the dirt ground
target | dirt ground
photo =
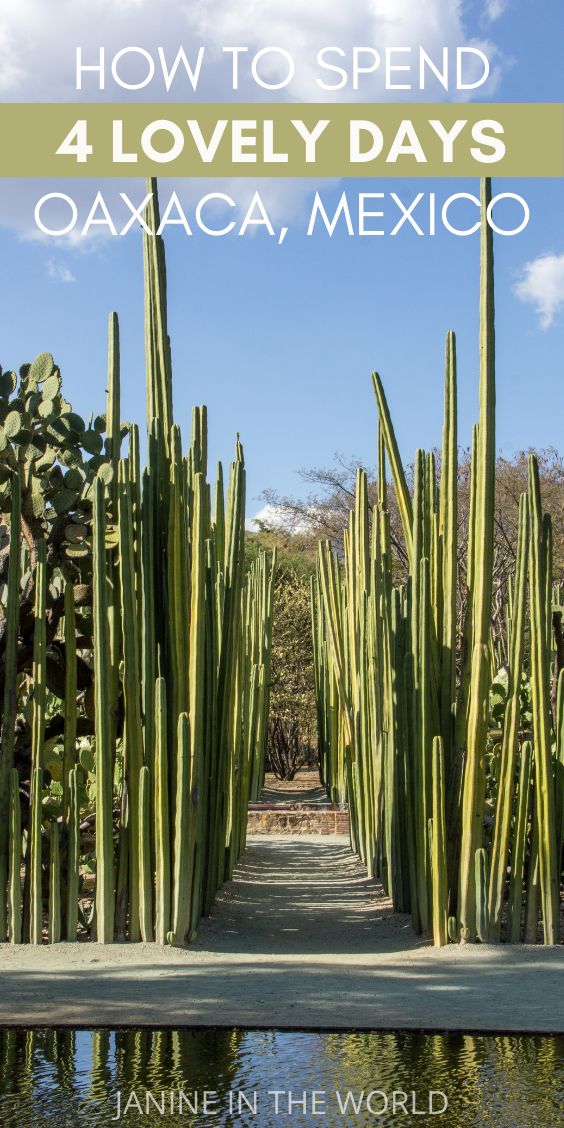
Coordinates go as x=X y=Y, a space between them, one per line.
x=305 y=788
x=300 y=939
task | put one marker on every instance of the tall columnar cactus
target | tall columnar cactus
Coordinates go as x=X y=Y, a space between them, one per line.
x=10 y=701
x=105 y=901
x=37 y=740
x=474 y=772
x=15 y=861
x=183 y=832
x=410 y=671
x=438 y=859
x=505 y=790
x=519 y=846
x=73 y=855
x=145 y=871
x=35 y=848
x=162 y=817
x=549 y=864
x=163 y=572
x=133 y=725
x=69 y=754
x=481 y=878
x=559 y=767
x=448 y=523
x=54 y=929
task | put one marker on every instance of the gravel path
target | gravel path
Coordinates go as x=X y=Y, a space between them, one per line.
x=299 y=940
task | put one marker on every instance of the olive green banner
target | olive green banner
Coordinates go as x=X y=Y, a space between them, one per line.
x=272 y=140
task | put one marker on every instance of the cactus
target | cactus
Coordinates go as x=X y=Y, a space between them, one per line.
x=105 y=903
x=474 y=773
x=182 y=887
x=162 y=820
x=519 y=846
x=449 y=539
x=37 y=741
x=54 y=930
x=15 y=857
x=423 y=753
x=73 y=855
x=145 y=874
x=151 y=581
x=481 y=878
x=549 y=867
x=36 y=895
x=10 y=689
x=133 y=729
x=69 y=753
x=500 y=843
x=438 y=860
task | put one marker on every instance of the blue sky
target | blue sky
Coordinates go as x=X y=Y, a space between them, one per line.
x=280 y=341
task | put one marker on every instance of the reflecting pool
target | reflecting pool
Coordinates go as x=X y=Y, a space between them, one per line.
x=265 y=1077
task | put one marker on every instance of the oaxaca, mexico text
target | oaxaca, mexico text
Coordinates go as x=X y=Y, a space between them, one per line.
x=218 y=214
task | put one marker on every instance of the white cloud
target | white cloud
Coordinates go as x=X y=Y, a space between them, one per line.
x=38 y=40
x=277 y=518
x=495 y=9
x=58 y=272
x=542 y=285
x=271 y=516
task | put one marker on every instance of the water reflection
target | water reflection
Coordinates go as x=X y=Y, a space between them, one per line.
x=231 y=1078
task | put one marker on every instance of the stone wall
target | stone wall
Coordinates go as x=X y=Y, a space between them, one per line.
x=297 y=820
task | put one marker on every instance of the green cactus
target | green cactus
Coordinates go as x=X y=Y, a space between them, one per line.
x=54 y=929
x=438 y=859
x=474 y=773
x=69 y=755
x=15 y=861
x=73 y=855
x=35 y=886
x=481 y=878
x=540 y=581
x=182 y=886
x=105 y=900
x=10 y=702
x=133 y=726
x=161 y=816
x=424 y=750
x=502 y=826
x=145 y=873
x=519 y=846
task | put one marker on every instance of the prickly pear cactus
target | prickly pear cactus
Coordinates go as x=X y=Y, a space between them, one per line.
x=57 y=455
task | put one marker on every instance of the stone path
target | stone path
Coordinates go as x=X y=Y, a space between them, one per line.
x=299 y=940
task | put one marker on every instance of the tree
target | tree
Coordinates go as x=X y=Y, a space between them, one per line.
x=292 y=694
x=324 y=513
